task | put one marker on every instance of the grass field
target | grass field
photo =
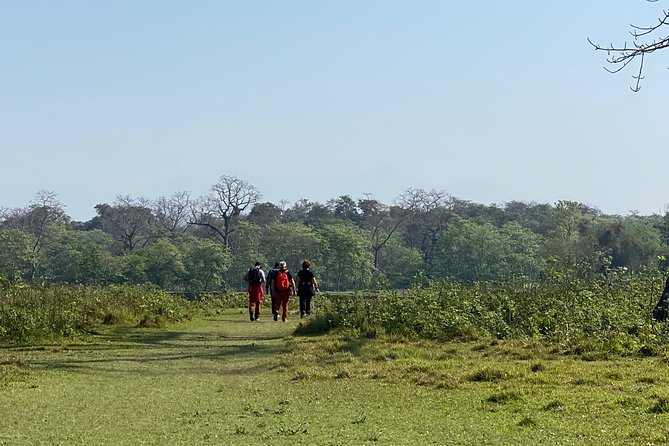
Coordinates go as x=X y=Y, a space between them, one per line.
x=226 y=380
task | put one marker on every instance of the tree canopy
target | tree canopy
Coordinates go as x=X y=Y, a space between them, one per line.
x=207 y=243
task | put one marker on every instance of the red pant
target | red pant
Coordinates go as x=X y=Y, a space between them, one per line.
x=281 y=300
x=255 y=298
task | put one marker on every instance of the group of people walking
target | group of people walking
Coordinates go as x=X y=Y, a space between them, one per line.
x=280 y=284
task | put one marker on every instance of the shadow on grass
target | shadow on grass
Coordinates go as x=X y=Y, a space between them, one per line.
x=238 y=349
x=320 y=326
x=229 y=360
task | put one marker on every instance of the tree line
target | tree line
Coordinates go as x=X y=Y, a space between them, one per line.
x=197 y=244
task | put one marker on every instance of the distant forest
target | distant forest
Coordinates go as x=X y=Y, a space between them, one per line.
x=198 y=244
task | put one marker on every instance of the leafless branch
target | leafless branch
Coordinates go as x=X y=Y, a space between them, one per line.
x=621 y=56
x=223 y=205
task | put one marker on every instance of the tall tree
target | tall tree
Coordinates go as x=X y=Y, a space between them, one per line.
x=430 y=212
x=80 y=257
x=572 y=241
x=264 y=214
x=129 y=221
x=171 y=213
x=163 y=263
x=16 y=254
x=471 y=251
x=381 y=222
x=533 y=216
x=298 y=212
x=347 y=260
x=206 y=262
x=632 y=241
x=398 y=265
x=319 y=215
x=345 y=208
x=292 y=242
x=44 y=218
x=220 y=210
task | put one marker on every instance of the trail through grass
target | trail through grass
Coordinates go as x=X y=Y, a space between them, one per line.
x=226 y=380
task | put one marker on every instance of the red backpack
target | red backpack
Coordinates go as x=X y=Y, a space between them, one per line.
x=282 y=281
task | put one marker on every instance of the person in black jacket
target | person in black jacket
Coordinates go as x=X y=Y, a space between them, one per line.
x=306 y=288
x=268 y=285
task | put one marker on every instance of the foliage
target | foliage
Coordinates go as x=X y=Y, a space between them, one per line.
x=632 y=242
x=15 y=253
x=214 y=303
x=245 y=251
x=39 y=312
x=129 y=221
x=80 y=257
x=206 y=244
x=609 y=314
x=292 y=242
x=347 y=261
x=398 y=264
x=471 y=251
x=164 y=264
x=205 y=262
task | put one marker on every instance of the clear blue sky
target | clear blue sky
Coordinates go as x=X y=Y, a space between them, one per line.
x=490 y=101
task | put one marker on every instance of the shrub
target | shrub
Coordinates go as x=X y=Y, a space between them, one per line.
x=36 y=313
x=600 y=315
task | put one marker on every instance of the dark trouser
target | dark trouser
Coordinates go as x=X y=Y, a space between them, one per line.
x=271 y=295
x=305 y=304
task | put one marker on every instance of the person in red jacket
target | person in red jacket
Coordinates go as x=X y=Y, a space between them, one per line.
x=256 y=279
x=283 y=286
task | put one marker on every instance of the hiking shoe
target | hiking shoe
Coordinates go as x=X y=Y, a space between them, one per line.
x=257 y=317
x=301 y=315
x=276 y=317
x=251 y=317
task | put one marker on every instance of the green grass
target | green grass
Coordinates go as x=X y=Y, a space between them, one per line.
x=226 y=380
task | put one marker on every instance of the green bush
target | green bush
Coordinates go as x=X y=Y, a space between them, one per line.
x=605 y=314
x=35 y=313
x=211 y=303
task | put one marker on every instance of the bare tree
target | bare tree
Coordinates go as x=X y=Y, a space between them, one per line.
x=44 y=218
x=172 y=213
x=220 y=209
x=646 y=40
x=381 y=221
x=430 y=212
x=129 y=221
x=40 y=218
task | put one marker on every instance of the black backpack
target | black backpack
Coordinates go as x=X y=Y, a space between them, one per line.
x=254 y=276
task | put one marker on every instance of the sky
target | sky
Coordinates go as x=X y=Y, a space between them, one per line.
x=488 y=101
